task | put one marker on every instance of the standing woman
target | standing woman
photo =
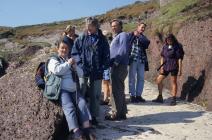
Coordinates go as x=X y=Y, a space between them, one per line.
x=69 y=36
x=171 y=62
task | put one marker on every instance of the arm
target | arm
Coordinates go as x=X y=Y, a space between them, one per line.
x=161 y=63
x=144 y=41
x=106 y=55
x=57 y=68
x=76 y=51
x=123 y=47
x=180 y=66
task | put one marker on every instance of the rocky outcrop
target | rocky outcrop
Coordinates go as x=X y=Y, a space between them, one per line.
x=195 y=83
x=24 y=113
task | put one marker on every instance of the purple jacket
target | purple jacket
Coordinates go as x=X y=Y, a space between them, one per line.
x=171 y=57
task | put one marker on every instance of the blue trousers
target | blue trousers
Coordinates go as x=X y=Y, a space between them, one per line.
x=136 y=78
x=74 y=108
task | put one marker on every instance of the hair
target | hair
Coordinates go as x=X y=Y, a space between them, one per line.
x=140 y=23
x=69 y=28
x=172 y=38
x=58 y=42
x=118 y=21
x=93 y=21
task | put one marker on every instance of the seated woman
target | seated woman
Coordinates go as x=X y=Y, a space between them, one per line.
x=73 y=105
x=171 y=62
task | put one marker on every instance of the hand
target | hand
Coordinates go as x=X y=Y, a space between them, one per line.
x=161 y=70
x=71 y=61
x=180 y=73
x=136 y=33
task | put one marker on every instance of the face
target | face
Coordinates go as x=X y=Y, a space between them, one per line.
x=116 y=27
x=91 y=29
x=141 y=28
x=169 y=41
x=63 y=50
x=71 y=32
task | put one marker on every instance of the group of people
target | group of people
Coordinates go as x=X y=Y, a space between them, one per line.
x=92 y=59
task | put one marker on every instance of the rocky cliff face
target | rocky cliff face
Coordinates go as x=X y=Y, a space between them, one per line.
x=24 y=113
x=195 y=84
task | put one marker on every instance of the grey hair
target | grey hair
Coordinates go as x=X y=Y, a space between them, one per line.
x=93 y=21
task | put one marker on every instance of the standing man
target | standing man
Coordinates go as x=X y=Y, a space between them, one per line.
x=138 y=63
x=119 y=55
x=91 y=50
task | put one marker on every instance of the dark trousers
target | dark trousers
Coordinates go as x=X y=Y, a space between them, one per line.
x=118 y=75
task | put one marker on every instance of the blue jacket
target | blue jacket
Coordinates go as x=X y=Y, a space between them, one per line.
x=143 y=42
x=119 y=49
x=92 y=52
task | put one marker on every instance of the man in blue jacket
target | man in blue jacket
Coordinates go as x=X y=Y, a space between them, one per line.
x=138 y=63
x=91 y=50
x=119 y=55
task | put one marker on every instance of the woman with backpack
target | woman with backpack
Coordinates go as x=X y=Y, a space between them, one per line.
x=73 y=105
x=171 y=62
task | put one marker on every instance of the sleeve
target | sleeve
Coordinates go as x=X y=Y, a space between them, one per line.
x=76 y=50
x=106 y=55
x=79 y=71
x=162 y=52
x=123 y=47
x=180 y=52
x=57 y=68
x=144 y=41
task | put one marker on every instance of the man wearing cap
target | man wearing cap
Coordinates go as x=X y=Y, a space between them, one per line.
x=91 y=50
x=119 y=55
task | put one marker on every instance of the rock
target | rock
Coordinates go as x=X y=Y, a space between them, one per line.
x=24 y=113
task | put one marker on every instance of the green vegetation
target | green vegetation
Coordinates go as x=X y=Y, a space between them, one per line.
x=177 y=13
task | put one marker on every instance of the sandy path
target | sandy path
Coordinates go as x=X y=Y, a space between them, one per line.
x=158 y=121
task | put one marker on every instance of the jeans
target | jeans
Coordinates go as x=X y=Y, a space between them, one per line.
x=136 y=78
x=74 y=108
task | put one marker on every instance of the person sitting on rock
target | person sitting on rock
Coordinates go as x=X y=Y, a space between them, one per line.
x=171 y=62
x=73 y=105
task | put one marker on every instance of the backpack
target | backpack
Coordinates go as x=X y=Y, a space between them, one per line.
x=39 y=76
x=52 y=82
x=47 y=81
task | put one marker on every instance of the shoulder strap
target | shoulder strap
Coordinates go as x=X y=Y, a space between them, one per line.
x=55 y=57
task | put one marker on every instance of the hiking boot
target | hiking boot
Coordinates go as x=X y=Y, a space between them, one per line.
x=133 y=99
x=104 y=102
x=159 y=99
x=78 y=135
x=114 y=117
x=89 y=134
x=140 y=99
x=94 y=121
x=173 y=101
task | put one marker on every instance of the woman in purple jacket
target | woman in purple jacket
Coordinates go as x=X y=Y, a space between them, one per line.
x=171 y=62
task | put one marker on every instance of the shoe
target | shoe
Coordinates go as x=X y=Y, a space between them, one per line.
x=140 y=99
x=133 y=99
x=159 y=99
x=94 y=121
x=78 y=135
x=173 y=101
x=114 y=117
x=102 y=102
x=89 y=134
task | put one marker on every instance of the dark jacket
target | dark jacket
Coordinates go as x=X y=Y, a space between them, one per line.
x=143 y=42
x=93 y=56
x=69 y=42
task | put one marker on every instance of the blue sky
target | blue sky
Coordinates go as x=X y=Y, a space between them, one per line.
x=28 y=12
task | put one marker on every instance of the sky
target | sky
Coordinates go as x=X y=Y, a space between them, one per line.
x=15 y=13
